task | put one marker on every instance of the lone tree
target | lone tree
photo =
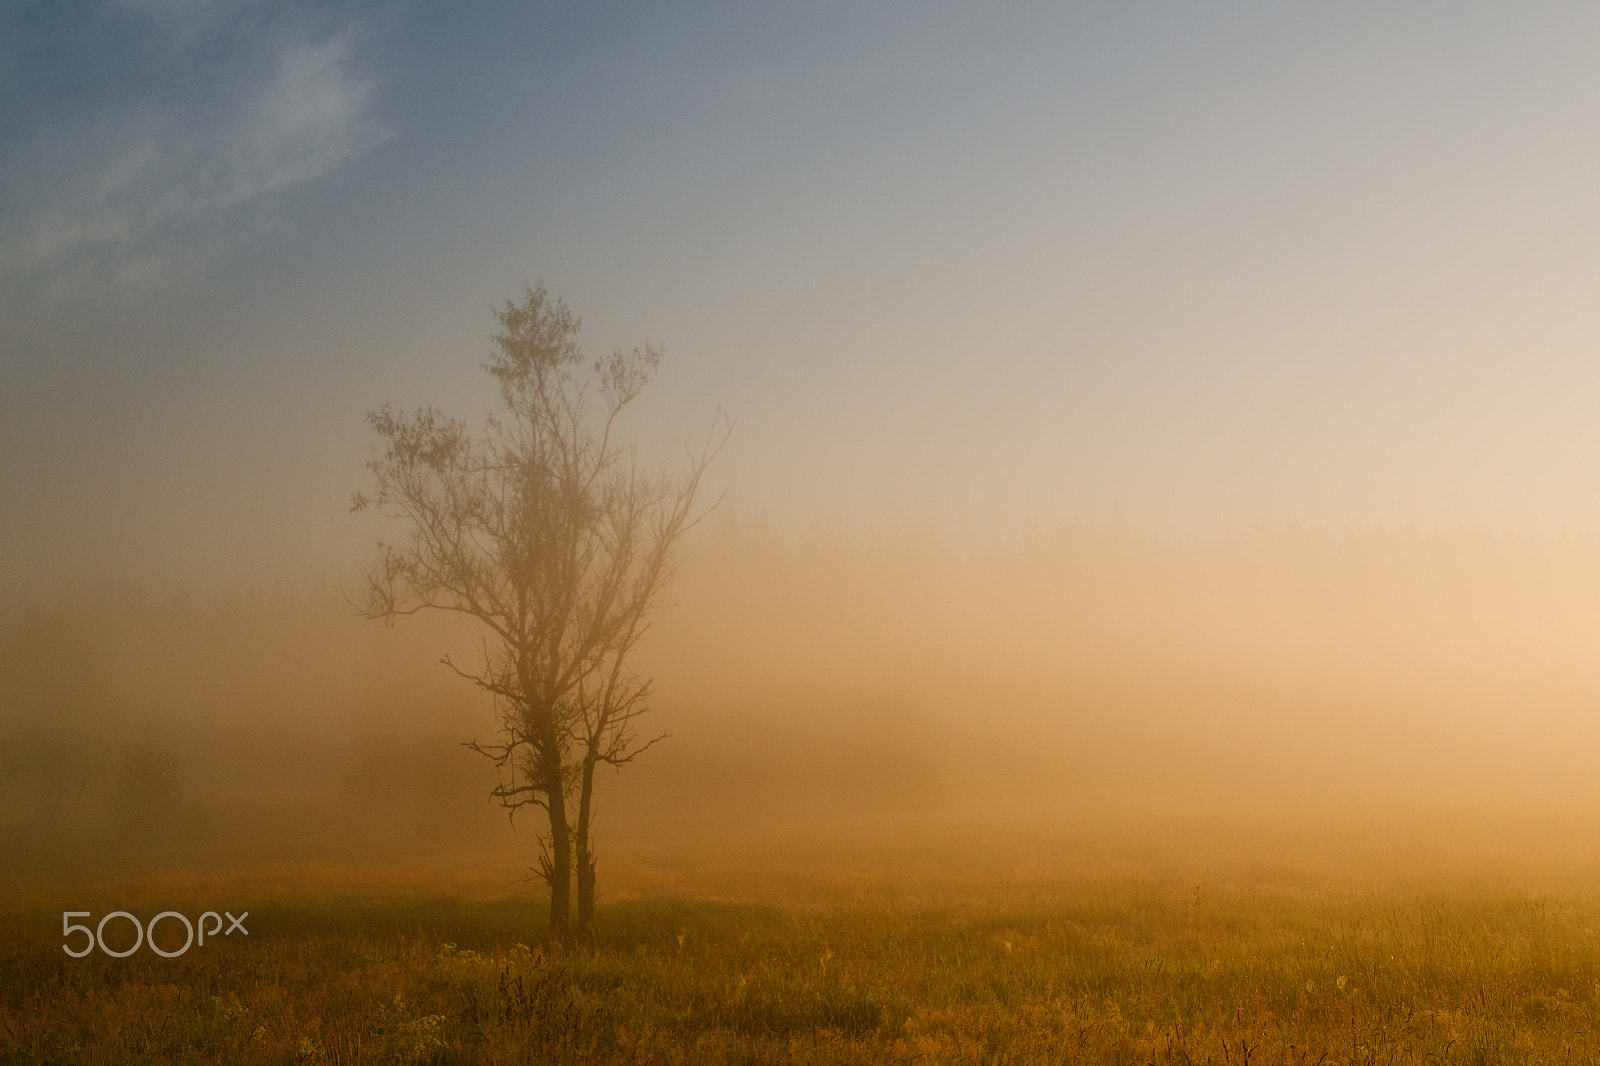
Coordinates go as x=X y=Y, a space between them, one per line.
x=545 y=532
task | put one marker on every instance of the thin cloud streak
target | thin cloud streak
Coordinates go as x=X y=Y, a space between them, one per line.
x=134 y=188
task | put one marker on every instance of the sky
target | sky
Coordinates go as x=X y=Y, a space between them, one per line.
x=974 y=268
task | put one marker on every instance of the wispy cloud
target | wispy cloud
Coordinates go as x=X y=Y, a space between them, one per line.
x=152 y=133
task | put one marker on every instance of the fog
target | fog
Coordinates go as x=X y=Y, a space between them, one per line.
x=1318 y=704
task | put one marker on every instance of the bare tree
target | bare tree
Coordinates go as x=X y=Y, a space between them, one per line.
x=549 y=536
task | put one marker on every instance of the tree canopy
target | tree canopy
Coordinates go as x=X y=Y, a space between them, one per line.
x=547 y=532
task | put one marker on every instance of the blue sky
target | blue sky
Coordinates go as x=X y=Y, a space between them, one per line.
x=970 y=266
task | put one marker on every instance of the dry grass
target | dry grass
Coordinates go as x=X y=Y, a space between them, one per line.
x=892 y=955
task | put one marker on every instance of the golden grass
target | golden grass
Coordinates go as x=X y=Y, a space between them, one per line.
x=979 y=951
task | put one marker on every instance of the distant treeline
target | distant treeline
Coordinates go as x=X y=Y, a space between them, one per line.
x=831 y=673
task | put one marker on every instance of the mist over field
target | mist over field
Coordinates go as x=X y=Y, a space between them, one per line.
x=1371 y=704
x=1114 y=488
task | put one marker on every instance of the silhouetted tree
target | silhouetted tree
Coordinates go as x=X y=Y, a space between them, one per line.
x=56 y=703
x=147 y=802
x=546 y=533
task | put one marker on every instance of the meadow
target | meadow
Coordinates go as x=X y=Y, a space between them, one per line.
x=891 y=954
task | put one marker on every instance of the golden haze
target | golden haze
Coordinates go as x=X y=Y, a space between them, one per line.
x=1392 y=699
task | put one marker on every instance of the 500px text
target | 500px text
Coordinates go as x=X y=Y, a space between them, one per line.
x=143 y=932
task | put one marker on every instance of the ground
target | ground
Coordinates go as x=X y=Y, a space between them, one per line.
x=1081 y=958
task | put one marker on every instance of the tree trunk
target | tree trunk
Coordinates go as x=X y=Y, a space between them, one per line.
x=560 y=872
x=585 y=854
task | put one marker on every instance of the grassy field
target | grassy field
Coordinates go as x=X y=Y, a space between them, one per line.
x=1109 y=964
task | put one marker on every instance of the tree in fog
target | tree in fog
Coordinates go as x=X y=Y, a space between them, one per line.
x=56 y=705
x=148 y=799
x=547 y=533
